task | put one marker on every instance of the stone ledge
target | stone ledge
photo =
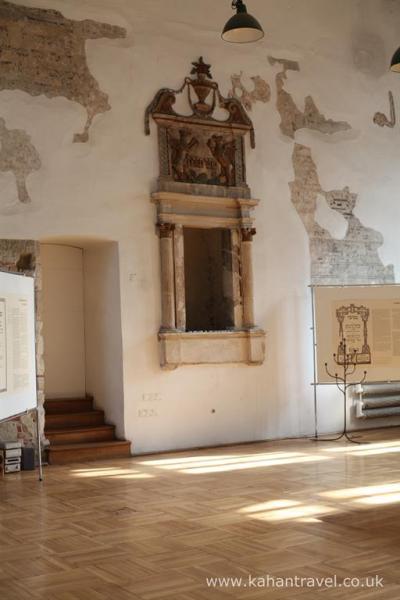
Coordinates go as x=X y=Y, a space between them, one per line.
x=204 y=211
x=211 y=348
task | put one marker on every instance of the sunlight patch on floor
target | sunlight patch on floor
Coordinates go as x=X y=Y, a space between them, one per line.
x=234 y=461
x=110 y=472
x=251 y=464
x=377 y=451
x=271 y=505
x=379 y=499
x=363 y=447
x=186 y=459
x=371 y=490
x=294 y=513
x=206 y=461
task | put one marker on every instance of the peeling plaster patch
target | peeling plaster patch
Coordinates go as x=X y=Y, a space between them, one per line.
x=22 y=429
x=260 y=93
x=292 y=118
x=351 y=260
x=50 y=54
x=330 y=219
x=19 y=156
x=382 y=120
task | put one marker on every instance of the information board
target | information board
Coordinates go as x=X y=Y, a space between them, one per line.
x=368 y=318
x=17 y=345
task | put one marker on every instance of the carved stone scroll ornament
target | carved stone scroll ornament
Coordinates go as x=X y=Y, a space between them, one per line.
x=165 y=98
x=165 y=230
x=200 y=149
x=248 y=233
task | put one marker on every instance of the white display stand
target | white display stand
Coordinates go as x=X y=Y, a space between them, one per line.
x=18 y=388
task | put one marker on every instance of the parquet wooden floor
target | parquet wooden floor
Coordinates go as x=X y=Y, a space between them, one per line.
x=157 y=527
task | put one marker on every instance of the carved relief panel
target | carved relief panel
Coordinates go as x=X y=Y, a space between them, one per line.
x=200 y=149
x=201 y=156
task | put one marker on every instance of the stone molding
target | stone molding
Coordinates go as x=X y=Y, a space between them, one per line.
x=204 y=211
x=245 y=343
x=212 y=347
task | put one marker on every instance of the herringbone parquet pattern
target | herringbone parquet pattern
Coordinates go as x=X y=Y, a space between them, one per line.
x=156 y=527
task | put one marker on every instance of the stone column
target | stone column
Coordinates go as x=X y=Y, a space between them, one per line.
x=236 y=284
x=247 y=277
x=179 y=255
x=167 y=276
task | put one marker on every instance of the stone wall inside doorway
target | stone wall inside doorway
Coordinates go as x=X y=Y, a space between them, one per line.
x=23 y=256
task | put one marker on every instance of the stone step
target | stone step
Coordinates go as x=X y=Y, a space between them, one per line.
x=79 y=419
x=74 y=453
x=54 y=406
x=76 y=435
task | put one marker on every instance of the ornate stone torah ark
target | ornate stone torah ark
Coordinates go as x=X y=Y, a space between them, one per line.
x=202 y=185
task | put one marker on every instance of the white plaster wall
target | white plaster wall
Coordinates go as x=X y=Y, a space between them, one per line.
x=103 y=333
x=101 y=189
x=63 y=321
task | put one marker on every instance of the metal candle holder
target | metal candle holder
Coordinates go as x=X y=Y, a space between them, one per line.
x=348 y=361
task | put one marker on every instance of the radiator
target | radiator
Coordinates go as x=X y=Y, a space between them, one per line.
x=378 y=400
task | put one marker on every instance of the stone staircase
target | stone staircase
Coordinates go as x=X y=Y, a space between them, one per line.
x=77 y=432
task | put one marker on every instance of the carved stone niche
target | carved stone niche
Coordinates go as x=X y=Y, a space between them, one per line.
x=206 y=226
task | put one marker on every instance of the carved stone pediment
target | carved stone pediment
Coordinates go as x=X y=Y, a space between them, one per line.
x=199 y=153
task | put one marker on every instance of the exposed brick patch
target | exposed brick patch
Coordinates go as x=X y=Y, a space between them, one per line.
x=351 y=260
x=51 y=57
x=292 y=118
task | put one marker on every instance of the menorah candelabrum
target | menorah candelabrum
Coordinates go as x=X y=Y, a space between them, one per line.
x=348 y=362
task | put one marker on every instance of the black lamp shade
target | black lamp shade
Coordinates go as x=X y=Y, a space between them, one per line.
x=395 y=64
x=242 y=28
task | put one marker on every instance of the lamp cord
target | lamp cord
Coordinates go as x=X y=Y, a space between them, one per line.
x=239 y=6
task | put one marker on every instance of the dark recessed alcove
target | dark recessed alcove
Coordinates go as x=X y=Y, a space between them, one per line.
x=208 y=279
